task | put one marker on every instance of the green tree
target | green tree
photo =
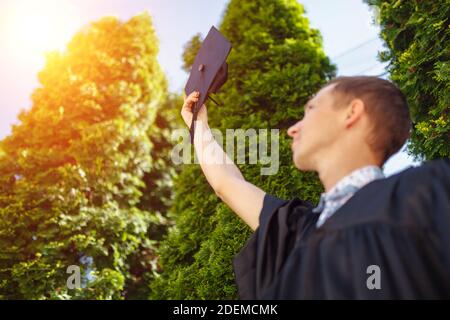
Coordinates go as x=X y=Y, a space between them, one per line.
x=190 y=51
x=417 y=37
x=157 y=194
x=72 y=172
x=276 y=63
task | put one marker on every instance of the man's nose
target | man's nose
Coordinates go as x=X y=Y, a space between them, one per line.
x=294 y=130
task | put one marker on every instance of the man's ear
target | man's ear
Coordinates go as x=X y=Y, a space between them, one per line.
x=354 y=112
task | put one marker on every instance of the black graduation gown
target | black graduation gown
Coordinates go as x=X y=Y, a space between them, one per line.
x=400 y=224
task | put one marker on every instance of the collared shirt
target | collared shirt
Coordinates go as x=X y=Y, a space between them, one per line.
x=344 y=189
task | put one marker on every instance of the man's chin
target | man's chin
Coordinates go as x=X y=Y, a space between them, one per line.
x=301 y=163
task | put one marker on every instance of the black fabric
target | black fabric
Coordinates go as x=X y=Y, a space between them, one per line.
x=400 y=223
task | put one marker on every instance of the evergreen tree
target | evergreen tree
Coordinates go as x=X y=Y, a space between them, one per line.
x=72 y=172
x=157 y=195
x=417 y=37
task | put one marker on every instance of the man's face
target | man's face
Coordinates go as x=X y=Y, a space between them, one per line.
x=317 y=132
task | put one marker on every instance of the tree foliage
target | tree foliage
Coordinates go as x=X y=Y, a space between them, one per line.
x=74 y=171
x=417 y=36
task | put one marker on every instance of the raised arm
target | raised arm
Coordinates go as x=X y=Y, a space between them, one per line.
x=244 y=198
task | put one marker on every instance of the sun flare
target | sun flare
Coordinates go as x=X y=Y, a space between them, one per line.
x=35 y=27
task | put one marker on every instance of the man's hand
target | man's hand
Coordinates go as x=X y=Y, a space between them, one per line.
x=186 y=110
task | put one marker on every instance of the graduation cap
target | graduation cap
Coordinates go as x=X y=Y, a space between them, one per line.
x=209 y=71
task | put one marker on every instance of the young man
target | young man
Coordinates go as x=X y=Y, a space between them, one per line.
x=369 y=236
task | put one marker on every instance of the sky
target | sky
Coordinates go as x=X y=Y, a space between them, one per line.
x=29 y=28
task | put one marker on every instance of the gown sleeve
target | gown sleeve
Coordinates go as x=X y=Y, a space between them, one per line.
x=280 y=224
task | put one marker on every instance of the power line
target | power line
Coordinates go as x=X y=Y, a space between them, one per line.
x=369 y=68
x=362 y=44
x=382 y=74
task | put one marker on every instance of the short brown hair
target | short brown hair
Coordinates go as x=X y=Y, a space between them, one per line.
x=386 y=106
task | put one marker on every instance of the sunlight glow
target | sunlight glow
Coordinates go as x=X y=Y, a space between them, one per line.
x=35 y=27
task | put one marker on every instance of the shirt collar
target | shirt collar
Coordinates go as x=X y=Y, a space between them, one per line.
x=349 y=184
